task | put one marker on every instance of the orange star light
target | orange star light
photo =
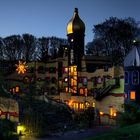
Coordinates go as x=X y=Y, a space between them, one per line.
x=21 y=67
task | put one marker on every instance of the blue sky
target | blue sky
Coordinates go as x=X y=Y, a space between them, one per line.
x=50 y=17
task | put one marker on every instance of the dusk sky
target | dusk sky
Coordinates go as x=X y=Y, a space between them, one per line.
x=50 y=17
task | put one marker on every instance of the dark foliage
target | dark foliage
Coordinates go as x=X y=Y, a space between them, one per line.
x=29 y=48
x=114 y=37
x=130 y=116
x=39 y=116
x=7 y=130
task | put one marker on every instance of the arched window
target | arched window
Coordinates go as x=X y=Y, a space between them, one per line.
x=135 y=77
x=126 y=76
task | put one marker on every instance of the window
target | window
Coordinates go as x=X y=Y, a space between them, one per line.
x=26 y=79
x=99 y=80
x=81 y=91
x=17 y=89
x=126 y=76
x=53 y=80
x=85 y=81
x=52 y=70
x=94 y=81
x=135 y=77
x=132 y=95
x=93 y=104
x=86 y=91
x=65 y=70
x=75 y=106
x=41 y=69
x=81 y=106
x=66 y=89
x=105 y=68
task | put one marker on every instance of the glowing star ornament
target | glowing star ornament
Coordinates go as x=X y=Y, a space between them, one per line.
x=21 y=67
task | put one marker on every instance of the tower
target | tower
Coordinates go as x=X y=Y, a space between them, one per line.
x=75 y=34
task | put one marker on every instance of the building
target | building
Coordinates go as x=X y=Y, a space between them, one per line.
x=76 y=79
x=132 y=75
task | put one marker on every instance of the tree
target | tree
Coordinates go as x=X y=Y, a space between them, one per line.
x=44 y=46
x=117 y=36
x=29 y=46
x=56 y=46
x=96 y=47
x=12 y=47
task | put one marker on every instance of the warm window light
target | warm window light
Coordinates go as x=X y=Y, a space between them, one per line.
x=114 y=114
x=70 y=102
x=66 y=70
x=81 y=106
x=93 y=104
x=132 y=95
x=66 y=89
x=81 y=91
x=17 y=89
x=21 y=67
x=75 y=106
x=111 y=111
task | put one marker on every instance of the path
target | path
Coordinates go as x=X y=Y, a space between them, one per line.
x=75 y=135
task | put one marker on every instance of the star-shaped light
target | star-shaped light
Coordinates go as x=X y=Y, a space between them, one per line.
x=21 y=67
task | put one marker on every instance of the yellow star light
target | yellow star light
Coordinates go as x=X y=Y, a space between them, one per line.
x=21 y=67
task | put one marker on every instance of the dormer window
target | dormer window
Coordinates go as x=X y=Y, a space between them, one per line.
x=135 y=77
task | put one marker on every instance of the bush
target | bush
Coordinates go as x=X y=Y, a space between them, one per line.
x=7 y=130
x=130 y=116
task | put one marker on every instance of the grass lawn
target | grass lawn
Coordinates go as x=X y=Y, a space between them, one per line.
x=131 y=132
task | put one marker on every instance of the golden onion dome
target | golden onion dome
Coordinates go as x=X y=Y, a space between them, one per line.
x=75 y=24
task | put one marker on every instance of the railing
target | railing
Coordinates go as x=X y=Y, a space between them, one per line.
x=105 y=89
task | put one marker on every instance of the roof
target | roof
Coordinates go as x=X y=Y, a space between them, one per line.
x=75 y=24
x=133 y=57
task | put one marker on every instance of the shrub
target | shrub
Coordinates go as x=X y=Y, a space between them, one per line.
x=130 y=115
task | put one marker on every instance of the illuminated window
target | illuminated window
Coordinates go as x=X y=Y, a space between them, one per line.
x=17 y=89
x=13 y=90
x=87 y=104
x=75 y=69
x=126 y=76
x=71 y=82
x=71 y=70
x=93 y=104
x=81 y=106
x=86 y=91
x=74 y=82
x=111 y=112
x=75 y=106
x=132 y=95
x=135 y=78
x=66 y=89
x=66 y=70
x=81 y=91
